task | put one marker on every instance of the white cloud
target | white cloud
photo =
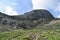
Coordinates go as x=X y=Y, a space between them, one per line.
x=10 y=11
x=43 y=4
x=58 y=16
x=0 y=4
x=38 y=4
x=14 y=3
x=14 y=13
x=58 y=7
x=46 y=4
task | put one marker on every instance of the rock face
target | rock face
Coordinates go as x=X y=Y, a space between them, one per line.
x=38 y=14
x=35 y=15
x=28 y=19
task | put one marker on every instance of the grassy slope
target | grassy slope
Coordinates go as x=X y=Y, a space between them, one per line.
x=49 y=31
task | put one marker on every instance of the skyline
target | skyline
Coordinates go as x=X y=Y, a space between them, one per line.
x=18 y=7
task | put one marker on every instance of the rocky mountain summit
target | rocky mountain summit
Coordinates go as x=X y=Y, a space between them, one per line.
x=27 y=20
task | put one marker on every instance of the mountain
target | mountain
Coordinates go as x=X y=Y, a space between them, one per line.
x=27 y=20
x=35 y=15
x=33 y=25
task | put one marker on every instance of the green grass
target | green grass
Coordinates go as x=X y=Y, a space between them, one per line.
x=33 y=34
x=49 y=32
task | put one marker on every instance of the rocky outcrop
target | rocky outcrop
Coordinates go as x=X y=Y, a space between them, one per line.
x=28 y=19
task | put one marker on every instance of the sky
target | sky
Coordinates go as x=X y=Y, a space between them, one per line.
x=18 y=7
